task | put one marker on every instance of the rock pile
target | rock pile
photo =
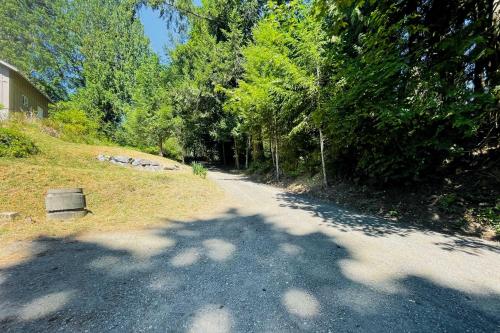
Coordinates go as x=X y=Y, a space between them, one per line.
x=139 y=163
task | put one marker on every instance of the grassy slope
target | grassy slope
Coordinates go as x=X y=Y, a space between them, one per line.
x=119 y=197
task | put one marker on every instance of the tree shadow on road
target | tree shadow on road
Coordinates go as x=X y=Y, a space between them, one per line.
x=234 y=272
x=347 y=220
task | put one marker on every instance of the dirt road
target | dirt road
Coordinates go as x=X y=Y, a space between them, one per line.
x=268 y=261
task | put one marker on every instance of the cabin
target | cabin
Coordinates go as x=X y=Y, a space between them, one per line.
x=18 y=94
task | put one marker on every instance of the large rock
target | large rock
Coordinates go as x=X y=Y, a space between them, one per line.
x=136 y=162
x=121 y=159
x=139 y=163
x=144 y=163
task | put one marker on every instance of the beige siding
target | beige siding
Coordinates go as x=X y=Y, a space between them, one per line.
x=4 y=92
x=20 y=87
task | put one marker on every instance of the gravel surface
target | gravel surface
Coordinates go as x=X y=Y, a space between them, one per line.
x=268 y=261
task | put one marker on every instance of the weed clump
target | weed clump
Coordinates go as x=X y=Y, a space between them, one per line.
x=199 y=169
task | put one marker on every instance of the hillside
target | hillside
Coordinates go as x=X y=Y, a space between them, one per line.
x=119 y=197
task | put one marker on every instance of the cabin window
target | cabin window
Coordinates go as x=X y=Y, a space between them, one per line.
x=24 y=101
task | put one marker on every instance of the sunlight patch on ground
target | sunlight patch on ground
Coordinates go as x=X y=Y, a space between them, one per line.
x=211 y=318
x=118 y=266
x=164 y=282
x=369 y=274
x=301 y=303
x=139 y=244
x=45 y=305
x=185 y=258
x=218 y=249
x=291 y=249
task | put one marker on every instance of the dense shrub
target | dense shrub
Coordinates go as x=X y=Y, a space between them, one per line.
x=73 y=124
x=172 y=149
x=15 y=144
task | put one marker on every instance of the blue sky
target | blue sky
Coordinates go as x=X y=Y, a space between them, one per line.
x=157 y=31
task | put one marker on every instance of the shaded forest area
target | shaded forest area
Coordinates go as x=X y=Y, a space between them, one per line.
x=399 y=96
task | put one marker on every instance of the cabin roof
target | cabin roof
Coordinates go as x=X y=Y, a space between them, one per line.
x=12 y=68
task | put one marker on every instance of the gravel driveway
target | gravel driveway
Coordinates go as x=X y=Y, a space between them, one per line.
x=268 y=261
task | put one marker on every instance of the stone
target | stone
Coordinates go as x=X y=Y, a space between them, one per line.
x=8 y=216
x=121 y=159
x=153 y=167
x=145 y=162
x=103 y=158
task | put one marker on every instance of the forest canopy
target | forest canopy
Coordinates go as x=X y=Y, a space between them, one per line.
x=382 y=91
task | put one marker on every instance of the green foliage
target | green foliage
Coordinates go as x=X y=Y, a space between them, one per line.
x=173 y=149
x=447 y=201
x=15 y=144
x=400 y=102
x=199 y=169
x=492 y=216
x=260 y=167
x=397 y=90
x=151 y=118
x=39 y=38
x=73 y=124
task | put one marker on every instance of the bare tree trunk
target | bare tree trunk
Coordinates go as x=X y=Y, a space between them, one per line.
x=272 y=151
x=160 y=144
x=321 y=145
x=224 y=153
x=277 y=158
x=255 y=148
x=236 y=155
x=321 y=138
x=247 y=152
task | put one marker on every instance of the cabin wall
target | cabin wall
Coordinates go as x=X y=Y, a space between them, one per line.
x=4 y=93
x=26 y=98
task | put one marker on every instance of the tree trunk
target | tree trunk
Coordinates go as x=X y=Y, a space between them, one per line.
x=321 y=145
x=272 y=151
x=224 y=153
x=160 y=144
x=255 y=148
x=277 y=159
x=247 y=152
x=236 y=155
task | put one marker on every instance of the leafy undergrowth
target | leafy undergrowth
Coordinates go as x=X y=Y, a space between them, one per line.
x=119 y=197
x=15 y=144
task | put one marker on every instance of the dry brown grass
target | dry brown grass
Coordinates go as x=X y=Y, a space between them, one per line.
x=119 y=197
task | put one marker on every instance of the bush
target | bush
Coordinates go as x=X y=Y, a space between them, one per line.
x=199 y=169
x=15 y=144
x=172 y=149
x=260 y=167
x=73 y=125
x=491 y=215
